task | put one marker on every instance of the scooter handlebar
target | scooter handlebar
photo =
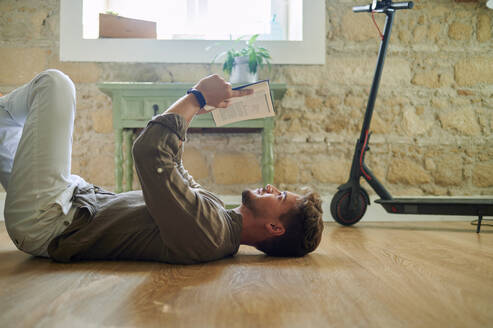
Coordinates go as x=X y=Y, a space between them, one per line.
x=380 y=7
x=402 y=5
x=362 y=9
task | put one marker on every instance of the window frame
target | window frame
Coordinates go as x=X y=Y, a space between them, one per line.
x=74 y=48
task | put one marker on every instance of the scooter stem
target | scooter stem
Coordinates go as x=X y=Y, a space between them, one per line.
x=378 y=73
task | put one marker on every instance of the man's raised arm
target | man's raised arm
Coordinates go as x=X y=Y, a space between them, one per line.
x=215 y=92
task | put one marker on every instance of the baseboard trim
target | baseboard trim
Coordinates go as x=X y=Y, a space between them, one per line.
x=375 y=212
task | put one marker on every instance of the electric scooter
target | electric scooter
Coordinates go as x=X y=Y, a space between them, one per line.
x=350 y=202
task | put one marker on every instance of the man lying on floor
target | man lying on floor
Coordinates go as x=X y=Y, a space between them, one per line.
x=51 y=213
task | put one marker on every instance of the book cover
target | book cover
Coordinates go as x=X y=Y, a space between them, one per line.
x=257 y=105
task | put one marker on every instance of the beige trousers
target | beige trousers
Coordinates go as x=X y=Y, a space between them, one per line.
x=36 y=123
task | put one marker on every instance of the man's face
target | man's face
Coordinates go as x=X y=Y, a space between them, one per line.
x=269 y=201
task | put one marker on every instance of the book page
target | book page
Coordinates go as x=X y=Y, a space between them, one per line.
x=256 y=105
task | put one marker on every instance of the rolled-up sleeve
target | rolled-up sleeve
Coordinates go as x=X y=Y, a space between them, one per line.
x=190 y=223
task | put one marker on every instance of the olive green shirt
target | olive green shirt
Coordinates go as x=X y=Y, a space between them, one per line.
x=172 y=219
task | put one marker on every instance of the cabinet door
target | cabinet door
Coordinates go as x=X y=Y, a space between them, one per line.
x=132 y=108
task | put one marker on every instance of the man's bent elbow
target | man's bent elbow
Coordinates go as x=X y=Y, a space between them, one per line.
x=141 y=150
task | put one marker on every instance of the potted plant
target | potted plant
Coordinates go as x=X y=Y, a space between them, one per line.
x=243 y=65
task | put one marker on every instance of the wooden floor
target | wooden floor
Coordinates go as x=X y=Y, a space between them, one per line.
x=412 y=274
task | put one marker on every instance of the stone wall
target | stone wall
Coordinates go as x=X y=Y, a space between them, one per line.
x=432 y=127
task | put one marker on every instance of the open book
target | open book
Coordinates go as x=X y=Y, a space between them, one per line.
x=256 y=105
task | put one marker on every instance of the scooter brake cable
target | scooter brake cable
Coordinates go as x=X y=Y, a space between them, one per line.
x=376 y=25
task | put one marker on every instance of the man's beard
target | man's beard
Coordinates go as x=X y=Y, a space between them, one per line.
x=246 y=199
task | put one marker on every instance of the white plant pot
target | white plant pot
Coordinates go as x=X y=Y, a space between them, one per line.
x=241 y=72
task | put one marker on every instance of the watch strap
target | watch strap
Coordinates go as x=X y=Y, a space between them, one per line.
x=199 y=96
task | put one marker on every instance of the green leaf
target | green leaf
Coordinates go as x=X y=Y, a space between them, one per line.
x=228 y=64
x=253 y=39
x=252 y=62
x=240 y=38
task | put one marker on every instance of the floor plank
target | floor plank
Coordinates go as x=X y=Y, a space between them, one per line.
x=389 y=274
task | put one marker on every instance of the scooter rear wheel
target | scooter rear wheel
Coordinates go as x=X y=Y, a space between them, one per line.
x=339 y=207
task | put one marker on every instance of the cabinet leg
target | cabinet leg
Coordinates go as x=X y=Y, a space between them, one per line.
x=118 y=160
x=480 y=218
x=129 y=167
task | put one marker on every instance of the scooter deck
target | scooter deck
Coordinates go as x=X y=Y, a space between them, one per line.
x=445 y=206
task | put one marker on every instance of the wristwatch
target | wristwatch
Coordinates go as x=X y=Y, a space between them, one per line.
x=200 y=97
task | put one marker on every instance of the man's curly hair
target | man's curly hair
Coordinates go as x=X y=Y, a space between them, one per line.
x=303 y=229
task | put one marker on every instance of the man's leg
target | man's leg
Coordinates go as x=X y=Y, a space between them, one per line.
x=10 y=135
x=38 y=205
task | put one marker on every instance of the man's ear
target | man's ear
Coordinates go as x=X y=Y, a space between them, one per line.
x=275 y=228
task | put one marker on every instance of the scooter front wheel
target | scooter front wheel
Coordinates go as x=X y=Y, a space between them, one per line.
x=341 y=211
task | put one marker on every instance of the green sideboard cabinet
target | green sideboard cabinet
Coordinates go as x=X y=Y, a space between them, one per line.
x=135 y=103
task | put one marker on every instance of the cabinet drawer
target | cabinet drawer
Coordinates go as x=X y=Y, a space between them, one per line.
x=139 y=108
x=162 y=103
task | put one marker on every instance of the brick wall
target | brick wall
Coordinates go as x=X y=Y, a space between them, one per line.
x=432 y=124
